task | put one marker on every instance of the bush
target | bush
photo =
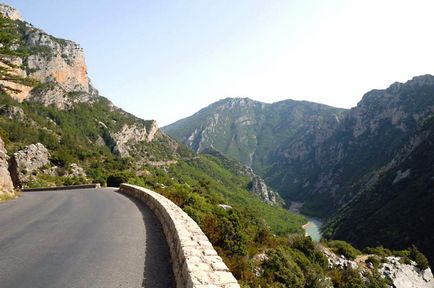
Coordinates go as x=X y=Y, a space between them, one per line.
x=419 y=258
x=344 y=248
x=281 y=268
x=374 y=261
x=380 y=251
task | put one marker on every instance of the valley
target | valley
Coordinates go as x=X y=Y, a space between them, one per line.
x=357 y=169
x=312 y=227
x=255 y=177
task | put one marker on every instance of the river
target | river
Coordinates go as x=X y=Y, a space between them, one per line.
x=312 y=227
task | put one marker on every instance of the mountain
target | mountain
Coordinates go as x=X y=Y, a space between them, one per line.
x=331 y=159
x=395 y=208
x=261 y=136
x=58 y=130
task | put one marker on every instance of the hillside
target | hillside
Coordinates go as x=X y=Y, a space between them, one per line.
x=395 y=210
x=58 y=130
x=261 y=135
x=330 y=158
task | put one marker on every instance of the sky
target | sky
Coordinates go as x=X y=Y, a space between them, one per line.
x=165 y=60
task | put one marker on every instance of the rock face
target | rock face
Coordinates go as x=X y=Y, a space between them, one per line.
x=10 y=12
x=260 y=189
x=367 y=169
x=6 y=185
x=249 y=131
x=123 y=141
x=76 y=171
x=58 y=65
x=398 y=274
x=28 y=161
x=406 y=275
x=257 y=185
x=127 y=137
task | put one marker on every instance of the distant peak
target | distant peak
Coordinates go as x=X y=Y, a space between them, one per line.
x=10 y=12
x=423 y=80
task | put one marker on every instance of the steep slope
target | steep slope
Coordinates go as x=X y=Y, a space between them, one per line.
x=396 y=209
x=59 y=81
x=311 y=152
x=368 y=137
x=263 y=136
x=248 y=130
x=58 y=130
x=352 y=160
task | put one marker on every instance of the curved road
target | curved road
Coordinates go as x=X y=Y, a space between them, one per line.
x=81 y=238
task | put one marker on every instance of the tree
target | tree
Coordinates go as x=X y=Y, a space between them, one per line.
x=10 y=43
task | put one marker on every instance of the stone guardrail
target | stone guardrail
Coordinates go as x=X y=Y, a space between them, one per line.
x=71 y=187
x=195 y=262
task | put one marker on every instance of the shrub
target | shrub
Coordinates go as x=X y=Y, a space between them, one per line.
x=419 y=258
x=344 y=248
x=374 y=261
x=380 y=251
x=281 y=268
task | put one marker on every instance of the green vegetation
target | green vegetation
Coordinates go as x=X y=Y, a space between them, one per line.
x=11 y=47
x=344 y=248
x=419 y=258
x=262 y=245
x=243 y=232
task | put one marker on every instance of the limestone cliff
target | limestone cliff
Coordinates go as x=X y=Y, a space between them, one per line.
x=392 y=268
x=58 y=65
x=6 y=186
x=10 y=12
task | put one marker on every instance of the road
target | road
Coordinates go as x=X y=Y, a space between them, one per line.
x=81 y=238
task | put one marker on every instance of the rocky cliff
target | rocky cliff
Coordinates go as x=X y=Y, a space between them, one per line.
x=344 y=165
x=57 y=65
x=256 y=186
x=10 y=12
x=391 y=268
x=60 y=82
x=6 y=186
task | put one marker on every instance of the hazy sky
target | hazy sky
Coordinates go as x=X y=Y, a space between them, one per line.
x=165 y=60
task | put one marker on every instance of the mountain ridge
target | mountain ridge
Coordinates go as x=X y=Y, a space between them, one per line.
x=334 y=158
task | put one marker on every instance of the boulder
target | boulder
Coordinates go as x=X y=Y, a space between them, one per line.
x=27 y=162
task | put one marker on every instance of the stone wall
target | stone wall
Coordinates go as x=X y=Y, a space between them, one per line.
x=195 y=262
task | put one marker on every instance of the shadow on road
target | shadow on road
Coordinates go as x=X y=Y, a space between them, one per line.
x=158 y=266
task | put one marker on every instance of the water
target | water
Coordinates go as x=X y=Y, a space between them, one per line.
x=312 y=227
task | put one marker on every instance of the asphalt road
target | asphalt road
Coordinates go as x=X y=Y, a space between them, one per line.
x=81 y=238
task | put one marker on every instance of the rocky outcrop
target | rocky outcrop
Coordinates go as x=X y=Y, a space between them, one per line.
x=6 y=185
x=57 y=65
x=406 y=275
x=258 y=187
x=123 y=142
x=12 y=112
x=76 y=170
x=398 y=274
x=127 y=137
x=9 y=12
x=27 y=163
